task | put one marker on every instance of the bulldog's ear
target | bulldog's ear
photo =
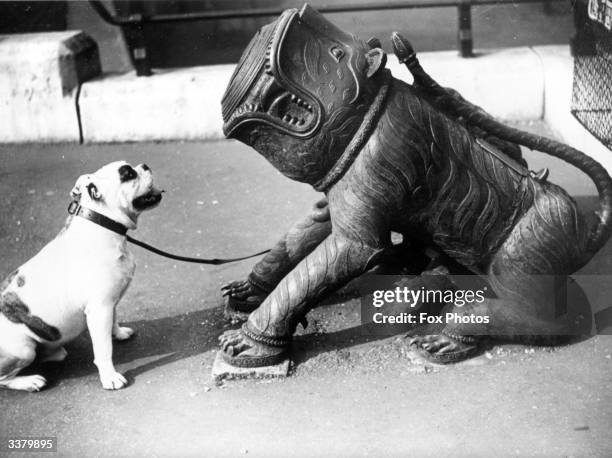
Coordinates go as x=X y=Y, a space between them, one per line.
x=377 y=59
x=79 y=186
x=93 y=192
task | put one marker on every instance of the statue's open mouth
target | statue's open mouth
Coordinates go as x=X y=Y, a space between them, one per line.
x=292 y=109
x=260 y=92
x=291 y=112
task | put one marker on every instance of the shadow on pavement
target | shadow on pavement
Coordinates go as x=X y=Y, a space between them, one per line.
x=162 y=341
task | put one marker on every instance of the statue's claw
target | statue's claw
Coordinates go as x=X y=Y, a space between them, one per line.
x=442 y=349
x=240 y=351
x=235 y=288
x=230 y=339
x=241 y=298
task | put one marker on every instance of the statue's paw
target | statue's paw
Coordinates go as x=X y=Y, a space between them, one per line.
x=233 y=342
x=241 y=351
x=435 y=343
x=241 y=298
x=442 y=349
x=239 y=289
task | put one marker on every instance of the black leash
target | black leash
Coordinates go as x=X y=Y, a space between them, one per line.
x=214 y=261
x=75 y=209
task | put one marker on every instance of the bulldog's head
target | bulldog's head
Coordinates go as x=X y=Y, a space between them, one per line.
x=119 y=191
x=299 y=92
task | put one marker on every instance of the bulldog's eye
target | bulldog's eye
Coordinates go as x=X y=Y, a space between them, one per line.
x=336 y=53
x=127 y=173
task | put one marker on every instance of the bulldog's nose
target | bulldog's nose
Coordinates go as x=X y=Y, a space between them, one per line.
x=145 y=167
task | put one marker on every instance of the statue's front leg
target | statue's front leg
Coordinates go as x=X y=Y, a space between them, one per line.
x=264 y=339
x=244 y=296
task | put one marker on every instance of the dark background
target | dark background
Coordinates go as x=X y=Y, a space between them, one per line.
x=215 y=42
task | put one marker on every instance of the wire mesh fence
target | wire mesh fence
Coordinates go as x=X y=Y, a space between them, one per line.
x=592 y=87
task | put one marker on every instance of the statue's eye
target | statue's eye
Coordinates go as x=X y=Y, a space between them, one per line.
x=336 y=53
x=126 y=173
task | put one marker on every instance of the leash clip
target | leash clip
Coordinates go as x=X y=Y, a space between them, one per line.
x=73 y=208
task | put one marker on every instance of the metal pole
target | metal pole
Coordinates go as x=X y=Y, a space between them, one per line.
x=275 y=11
x=134 y=23
x=464 y=37
x=140 y=54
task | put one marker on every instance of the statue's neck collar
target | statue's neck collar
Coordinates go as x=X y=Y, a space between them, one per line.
x=370 y=120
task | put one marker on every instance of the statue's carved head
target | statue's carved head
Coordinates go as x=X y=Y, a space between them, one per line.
x=300 y=91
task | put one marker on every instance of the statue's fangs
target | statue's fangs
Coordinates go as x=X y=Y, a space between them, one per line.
x=416 y=159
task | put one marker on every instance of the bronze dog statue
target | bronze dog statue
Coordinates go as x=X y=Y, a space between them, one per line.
x=416 y=159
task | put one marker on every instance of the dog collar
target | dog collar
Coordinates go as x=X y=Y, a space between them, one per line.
x=75 y=209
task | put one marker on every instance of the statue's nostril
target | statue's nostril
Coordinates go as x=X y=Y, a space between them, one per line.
x=145 y=167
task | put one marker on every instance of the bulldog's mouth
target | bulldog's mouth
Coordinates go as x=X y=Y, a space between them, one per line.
x=148 y=200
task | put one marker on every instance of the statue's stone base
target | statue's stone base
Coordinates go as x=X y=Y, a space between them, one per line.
x=223 y=371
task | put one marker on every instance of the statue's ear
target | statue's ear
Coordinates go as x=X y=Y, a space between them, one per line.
x=374 y=42
x=377 y=59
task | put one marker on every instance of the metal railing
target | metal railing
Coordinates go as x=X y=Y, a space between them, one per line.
x=135 y=23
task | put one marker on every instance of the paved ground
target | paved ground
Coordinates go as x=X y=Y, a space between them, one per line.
x=349 y=395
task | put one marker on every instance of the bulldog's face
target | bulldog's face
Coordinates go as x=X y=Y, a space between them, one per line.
x=119 y=191
x=299 y=92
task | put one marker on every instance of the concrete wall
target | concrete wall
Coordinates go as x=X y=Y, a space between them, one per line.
x=51 y=89
x=40 y=77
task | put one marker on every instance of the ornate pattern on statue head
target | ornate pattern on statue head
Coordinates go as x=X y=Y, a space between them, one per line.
x=305 y=86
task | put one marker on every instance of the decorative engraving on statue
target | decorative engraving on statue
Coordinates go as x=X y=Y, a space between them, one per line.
x=415 y=159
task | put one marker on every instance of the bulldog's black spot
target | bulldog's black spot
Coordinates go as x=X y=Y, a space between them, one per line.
x=7 y=281
x=13 y=308
x=127 y=173
x=20 y=280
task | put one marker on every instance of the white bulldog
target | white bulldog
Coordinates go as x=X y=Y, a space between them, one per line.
x=77 y=279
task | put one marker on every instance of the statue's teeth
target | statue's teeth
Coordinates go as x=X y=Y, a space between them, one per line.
x=293 y=97
x=287 y=118
x=301 y=122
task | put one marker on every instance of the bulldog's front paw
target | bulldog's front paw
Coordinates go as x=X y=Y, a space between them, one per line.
x=112 y=380
x=121 y=333
x=29 y=383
